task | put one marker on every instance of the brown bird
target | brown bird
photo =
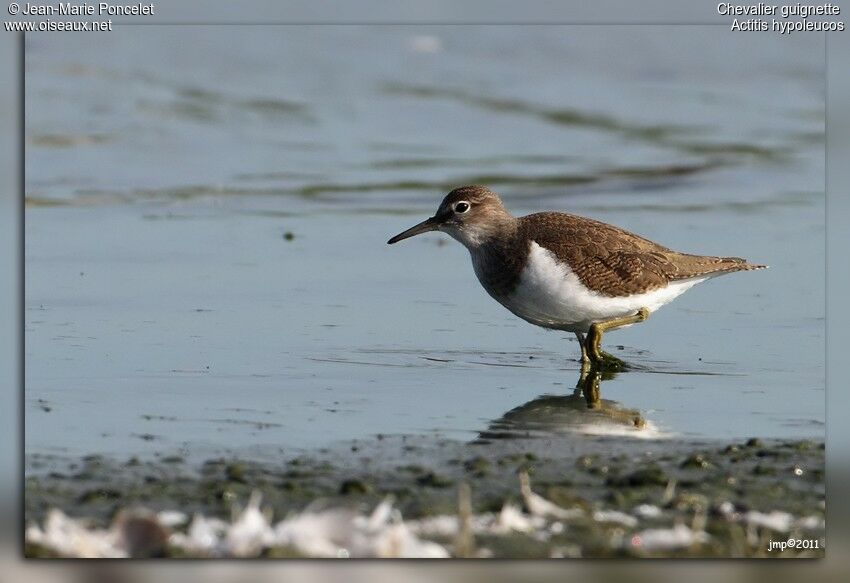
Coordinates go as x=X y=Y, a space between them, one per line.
x=565 y=272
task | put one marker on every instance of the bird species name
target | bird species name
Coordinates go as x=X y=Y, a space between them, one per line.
x=785 y=11
x=794 y=17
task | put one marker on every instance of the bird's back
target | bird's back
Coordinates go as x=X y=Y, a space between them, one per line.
x=615 y=262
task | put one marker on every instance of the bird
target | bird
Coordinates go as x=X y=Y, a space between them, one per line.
x=565 y=272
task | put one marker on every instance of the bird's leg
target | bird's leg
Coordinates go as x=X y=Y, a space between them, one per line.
x=584 y=357
x=585 y=360
x=597 y=329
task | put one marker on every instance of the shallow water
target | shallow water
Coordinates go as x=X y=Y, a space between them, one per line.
x=208 y=210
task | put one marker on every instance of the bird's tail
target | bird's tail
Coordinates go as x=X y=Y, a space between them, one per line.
x=739 y=264
x=690 y=266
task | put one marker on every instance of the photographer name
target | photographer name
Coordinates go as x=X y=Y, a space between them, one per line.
x=99 y=9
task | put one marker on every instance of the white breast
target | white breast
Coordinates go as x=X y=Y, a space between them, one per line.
x=551 y=295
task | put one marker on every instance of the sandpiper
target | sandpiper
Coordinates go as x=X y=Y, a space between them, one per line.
x=566 y=272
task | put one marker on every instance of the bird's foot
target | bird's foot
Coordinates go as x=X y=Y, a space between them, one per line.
x=593 y=346
x=608 y=363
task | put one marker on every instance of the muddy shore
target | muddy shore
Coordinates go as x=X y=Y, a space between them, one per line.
x=732 y=490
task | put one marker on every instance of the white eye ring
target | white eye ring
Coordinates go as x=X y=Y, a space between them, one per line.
x=461 y=207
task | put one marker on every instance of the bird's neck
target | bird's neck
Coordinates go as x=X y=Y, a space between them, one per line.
x=498 y=260
x=498 y=231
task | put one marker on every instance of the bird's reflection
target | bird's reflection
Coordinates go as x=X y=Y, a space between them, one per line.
x=583 y=411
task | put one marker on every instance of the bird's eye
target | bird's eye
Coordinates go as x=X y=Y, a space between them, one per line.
x=462 y=207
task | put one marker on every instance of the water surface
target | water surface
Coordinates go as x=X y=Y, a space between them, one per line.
x=207 y=211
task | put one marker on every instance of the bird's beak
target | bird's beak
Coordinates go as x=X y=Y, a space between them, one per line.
x=431 y=224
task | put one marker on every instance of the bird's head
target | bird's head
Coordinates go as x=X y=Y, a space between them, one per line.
x=471 y=214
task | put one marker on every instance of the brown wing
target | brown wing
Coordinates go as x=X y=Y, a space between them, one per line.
x=615 y=262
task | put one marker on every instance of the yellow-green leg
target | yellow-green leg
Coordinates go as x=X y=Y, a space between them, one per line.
x=585 y=359
x=594 y=336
